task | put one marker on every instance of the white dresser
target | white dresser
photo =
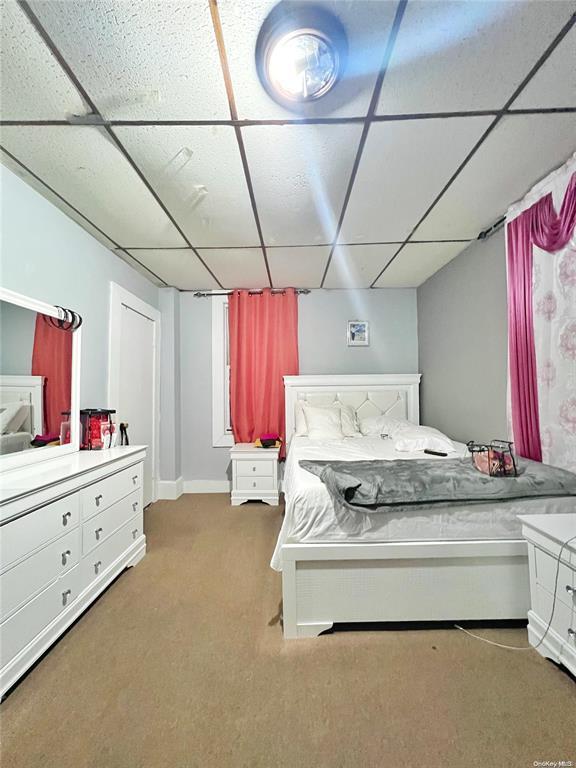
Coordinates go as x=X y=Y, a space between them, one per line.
x=545 y=535
x=254 y=474
x=68 y=527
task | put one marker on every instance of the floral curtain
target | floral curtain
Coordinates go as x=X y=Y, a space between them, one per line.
x=548 y=215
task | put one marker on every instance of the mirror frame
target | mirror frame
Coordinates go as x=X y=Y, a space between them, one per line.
x=32 y=456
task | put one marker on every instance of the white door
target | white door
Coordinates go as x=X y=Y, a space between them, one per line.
x=133 y=389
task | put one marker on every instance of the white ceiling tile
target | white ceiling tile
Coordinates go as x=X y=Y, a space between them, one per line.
x=86 y=168
x=198 y=174
x=298 y=267
x=33 y=86
x=416 y=262
x=520 y=151
x=403 y=167
x=178 y=267
x=139 y=59
x=300 y=174
x=356 y=266
x=367 y=24
x=237 y=268
x=466 y=55
x=554 y=85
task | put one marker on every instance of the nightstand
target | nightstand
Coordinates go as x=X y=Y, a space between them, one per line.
x=545 y=535
x=254 y=474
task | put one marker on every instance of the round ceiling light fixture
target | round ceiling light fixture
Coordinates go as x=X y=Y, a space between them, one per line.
x=300 y=53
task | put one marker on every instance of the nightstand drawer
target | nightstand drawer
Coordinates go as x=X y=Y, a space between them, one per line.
x=546 y=566
x=254 y=484
x=255 y=469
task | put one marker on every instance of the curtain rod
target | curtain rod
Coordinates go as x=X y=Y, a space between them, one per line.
x=204 y=294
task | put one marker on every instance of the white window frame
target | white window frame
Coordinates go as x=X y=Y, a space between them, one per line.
x=222 y=435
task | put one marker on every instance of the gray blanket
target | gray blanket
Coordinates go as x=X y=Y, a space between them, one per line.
x=373 y=486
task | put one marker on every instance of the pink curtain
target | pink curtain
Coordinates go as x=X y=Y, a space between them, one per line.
x=539 y=225
x=263 y=348
x=52 y=358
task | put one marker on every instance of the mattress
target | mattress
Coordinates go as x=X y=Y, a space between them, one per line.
x=310 y=516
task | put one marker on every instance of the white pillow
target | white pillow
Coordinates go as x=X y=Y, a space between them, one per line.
x=12 y=416
x=349 y=424
x=416 y=438
x=374 y=426
x=323 y=423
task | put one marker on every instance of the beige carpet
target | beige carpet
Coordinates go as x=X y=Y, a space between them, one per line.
x=181 y=663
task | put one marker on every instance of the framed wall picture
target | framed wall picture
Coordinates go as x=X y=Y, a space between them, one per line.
x=358 y=333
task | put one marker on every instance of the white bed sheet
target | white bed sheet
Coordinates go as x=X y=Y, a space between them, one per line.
x=310 y=516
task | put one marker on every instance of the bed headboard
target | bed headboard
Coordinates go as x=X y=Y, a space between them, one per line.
x=370 y=394
x=25 y=389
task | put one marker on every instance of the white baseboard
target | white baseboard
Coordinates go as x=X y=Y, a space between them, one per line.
x=169 y=489
x=207 y=486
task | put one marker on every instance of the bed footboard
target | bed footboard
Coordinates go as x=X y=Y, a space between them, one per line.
x=402 y=581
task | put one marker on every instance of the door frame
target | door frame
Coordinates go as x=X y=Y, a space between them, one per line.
x=120 y=297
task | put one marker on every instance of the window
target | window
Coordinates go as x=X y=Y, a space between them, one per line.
x=221 y=423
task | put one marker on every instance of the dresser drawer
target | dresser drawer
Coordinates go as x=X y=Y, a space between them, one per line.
x=101 y=495
x=30 y=576
x=23 y=626
x=546 y=566
x=101 y=558
x=256 y=468
x=254 y=484
x=102 y=525
x=29 y=532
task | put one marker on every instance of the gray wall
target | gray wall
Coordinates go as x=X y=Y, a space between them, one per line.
x=200 y=461
x=17 y=328
x=322 y=323
x=323 y=316
x=47 y=256
x=462 y=332
x=171 y=417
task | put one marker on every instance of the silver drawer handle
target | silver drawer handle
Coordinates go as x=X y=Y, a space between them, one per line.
x=135 y=533
x=65 y=517
x=134 y=506
x=254 y=484
x=65 y=596
x=98 y=531
x=134 y=479
x=65 y=556
x=98 y=499
x=97 y=566
x=253 y=469
x=570 y=590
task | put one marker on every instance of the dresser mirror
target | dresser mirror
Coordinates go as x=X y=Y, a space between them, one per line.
x=39 y=380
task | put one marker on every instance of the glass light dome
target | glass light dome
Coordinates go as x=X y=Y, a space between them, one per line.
x=302 y=66
x=301 y=53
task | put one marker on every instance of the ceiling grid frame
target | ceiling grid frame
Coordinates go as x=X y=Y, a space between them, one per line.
x=96 y=120
x=398 y=16
x=219 y=35
x=505 y=110
x=118 y=247
x=53 y=48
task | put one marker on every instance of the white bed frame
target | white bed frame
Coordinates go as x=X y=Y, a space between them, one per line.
x=397 y=581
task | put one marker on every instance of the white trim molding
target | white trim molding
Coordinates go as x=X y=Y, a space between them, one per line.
x=207 y=486
x=222 y=436
x=169 y=490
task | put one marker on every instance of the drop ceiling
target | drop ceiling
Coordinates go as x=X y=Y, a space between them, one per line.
x=146 y=123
